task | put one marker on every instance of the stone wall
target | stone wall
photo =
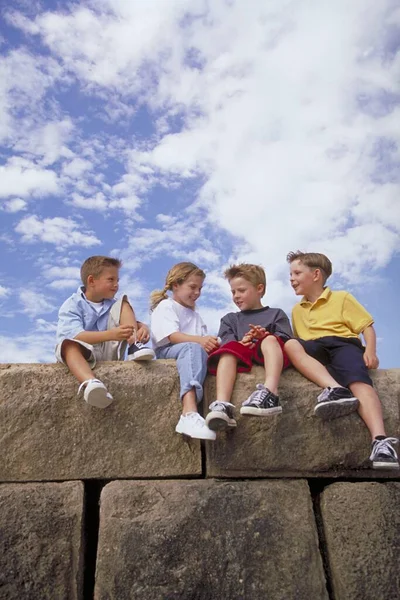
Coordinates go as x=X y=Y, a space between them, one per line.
x=114 y=505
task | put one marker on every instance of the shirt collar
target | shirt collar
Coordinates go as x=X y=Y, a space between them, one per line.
x=323 y=297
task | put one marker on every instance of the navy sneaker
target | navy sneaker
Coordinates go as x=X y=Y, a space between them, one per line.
x=140 y=352
x=261 y=403
x=383 y=455
x=335 y=402
x=221 y=416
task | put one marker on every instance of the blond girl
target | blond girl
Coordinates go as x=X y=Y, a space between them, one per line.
x=178 y=332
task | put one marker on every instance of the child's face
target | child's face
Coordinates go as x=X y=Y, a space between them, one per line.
x=188 y=292
x=104 y=286
x=302 y=278
x=246 y=295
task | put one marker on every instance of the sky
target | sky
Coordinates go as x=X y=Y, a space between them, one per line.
x=160 y=131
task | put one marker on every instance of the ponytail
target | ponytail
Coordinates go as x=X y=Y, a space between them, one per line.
x=157 y=296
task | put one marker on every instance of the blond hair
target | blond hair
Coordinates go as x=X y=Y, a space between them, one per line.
x=252 y=273
x=313 y=260
x=95 y=265
x=177 y=274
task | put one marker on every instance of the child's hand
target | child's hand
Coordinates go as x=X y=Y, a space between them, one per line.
x=247 y=340
x=257 y=332
x=371 y=360
x=123 y=332
x=209 y=343
x=143 y=333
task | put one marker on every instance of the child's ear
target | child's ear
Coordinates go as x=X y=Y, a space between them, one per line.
x=261 y=289
x=90 y=280
x=317 y=274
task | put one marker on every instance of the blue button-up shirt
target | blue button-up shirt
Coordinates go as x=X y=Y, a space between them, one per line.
x=77 y=314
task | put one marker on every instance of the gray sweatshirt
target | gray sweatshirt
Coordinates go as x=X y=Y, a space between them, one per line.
x=235 y=325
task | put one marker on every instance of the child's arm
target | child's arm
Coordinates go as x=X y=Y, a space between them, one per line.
x=123 y=332
x=370 y=358
x=208 y=342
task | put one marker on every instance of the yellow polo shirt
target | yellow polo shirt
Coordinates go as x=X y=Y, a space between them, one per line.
x=333 y=313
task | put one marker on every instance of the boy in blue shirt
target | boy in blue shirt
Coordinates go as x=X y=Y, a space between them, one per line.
x=93 y=325
x=329 y=324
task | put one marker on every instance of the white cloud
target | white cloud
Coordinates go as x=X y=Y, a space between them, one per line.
x=58 y=231
x=4 y=291
x=35 y=303
x=61 y=284
x=76 y=167
x=97 y=202
x=31 y=348
x=23 y=178
x=14 y=205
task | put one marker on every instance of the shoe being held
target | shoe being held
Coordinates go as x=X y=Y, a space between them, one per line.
x=221 y=416
x=261 y=403
x=193 y=425
x=139 y=352
x=383 y=455
x=335 y=402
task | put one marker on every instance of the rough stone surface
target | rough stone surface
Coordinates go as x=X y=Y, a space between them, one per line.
x=51 y=434
x=296 y=443
x=362 y=530
x=41 y=541
x=203 y=540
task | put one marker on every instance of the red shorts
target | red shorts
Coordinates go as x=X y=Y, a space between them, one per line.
x=247 y=356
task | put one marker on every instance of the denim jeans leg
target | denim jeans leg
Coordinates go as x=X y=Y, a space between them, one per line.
x=191 y=361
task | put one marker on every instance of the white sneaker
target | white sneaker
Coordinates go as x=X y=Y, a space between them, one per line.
x=139 y=352
x=194 y=426
x=96 y=393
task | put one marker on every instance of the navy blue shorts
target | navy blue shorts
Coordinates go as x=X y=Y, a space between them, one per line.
x=343 y=358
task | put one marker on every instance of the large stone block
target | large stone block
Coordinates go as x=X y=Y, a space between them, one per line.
x=296 y=443
x=41 y=549
x=362 y=530
x=203 y=540
x=48 y=433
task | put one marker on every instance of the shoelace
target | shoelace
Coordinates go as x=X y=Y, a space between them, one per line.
x=324 y=394
x=218 y=405
x=384 y=447
x=84 y=383
x=258 y=396
x=195 y=417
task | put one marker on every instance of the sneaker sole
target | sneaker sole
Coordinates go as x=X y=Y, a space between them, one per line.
x=336 y=408
x=198 y=437
x=142 y=355
x=385 y=465
x=219 y=422
x=99 y=398
x=260 y=412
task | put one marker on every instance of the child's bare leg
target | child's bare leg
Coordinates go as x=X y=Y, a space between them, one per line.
x=335 y=401
x=189 y=403
x=73 y=355
x=273 y=359
x=308 y=366
x=226 y=377
x=370 y=409
x=127 y=315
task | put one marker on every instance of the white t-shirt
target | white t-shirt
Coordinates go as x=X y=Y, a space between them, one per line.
x=169 y=317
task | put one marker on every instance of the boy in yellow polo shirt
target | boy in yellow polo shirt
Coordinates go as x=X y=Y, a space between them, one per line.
x=328 y=324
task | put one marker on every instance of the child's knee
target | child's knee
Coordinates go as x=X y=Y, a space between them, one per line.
x=270 y=343
x=73 y=350
x=293 y=347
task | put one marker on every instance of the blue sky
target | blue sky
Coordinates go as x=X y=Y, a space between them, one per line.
x=161 y=131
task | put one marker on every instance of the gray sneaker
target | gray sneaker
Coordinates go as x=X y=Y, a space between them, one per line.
x=221 y=416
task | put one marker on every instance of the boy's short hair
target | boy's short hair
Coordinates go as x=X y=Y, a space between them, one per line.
x=252 y=273
x=95 y=265
x=313 y=260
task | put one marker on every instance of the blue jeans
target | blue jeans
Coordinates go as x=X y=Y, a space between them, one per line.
x=191 y=361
